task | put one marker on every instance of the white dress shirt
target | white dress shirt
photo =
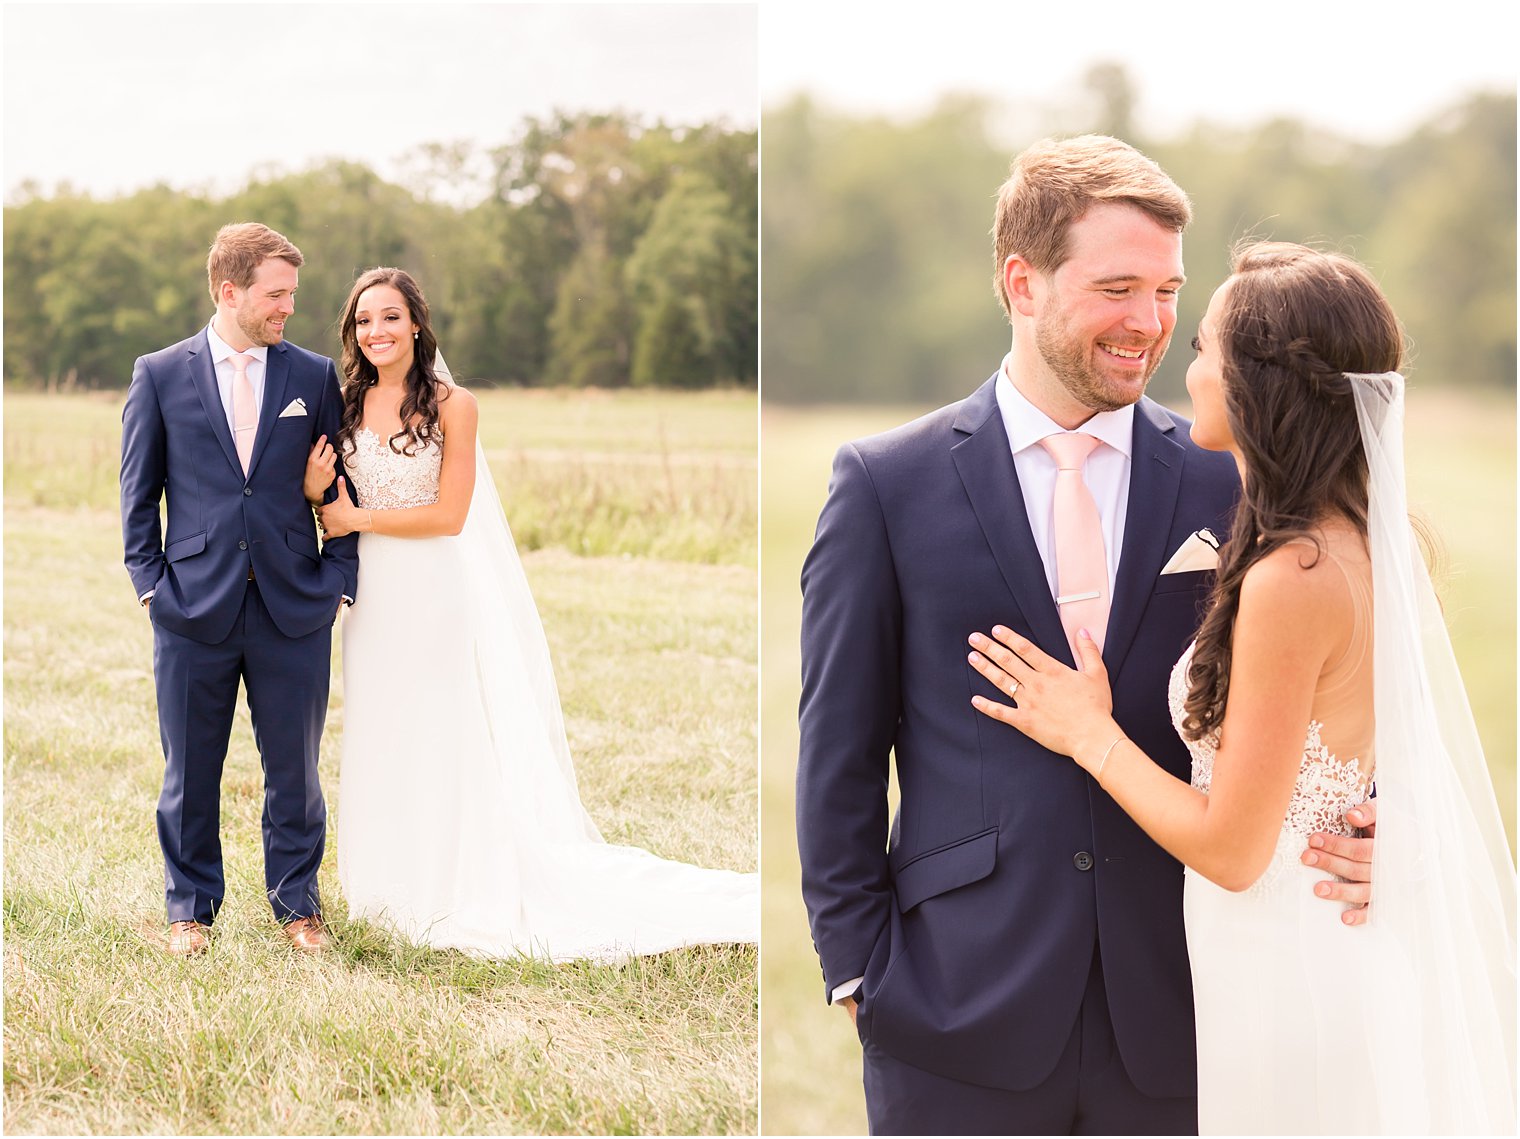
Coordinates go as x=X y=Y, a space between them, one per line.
x=221 y=357
x=1106 y=473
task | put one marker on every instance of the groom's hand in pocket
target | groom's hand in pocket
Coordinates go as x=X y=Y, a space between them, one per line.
x=1349 y=859
x=849 y=1004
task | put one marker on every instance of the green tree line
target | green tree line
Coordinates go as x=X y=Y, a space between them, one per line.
x=878 y=259
x=600 y=251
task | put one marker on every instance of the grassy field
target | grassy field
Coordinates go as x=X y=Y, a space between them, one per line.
x=636 y=514
x=1462 y=479
x=639 y=473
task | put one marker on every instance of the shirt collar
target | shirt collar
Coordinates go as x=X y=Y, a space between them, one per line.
x=1027 y=425
x=220 y=351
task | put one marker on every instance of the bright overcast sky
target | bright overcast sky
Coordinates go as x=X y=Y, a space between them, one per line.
x=113 y=97
x=1371 y=70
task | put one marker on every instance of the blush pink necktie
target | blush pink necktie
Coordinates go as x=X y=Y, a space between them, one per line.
x=1081 y=564
x=245 y=409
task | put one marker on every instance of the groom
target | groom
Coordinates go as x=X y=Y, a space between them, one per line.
x=1015 y=962
x=237 y=588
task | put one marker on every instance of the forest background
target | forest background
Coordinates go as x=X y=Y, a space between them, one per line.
x=590 y=250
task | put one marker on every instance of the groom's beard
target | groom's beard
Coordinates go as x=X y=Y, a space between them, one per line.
x=1076 y=362
x=259 y=331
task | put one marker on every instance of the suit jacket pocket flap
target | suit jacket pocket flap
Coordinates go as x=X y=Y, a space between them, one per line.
x=1184 y=581
x=960 y=863
x=303 y=544
x=184 y=547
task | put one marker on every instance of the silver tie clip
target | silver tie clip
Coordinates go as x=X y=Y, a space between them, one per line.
x=1078 y=597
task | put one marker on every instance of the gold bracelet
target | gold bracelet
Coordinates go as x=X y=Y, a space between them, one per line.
x=372 y=529
x=1098 y=775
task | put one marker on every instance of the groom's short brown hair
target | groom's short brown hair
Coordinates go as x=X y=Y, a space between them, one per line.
x=240 y=248
x=1056 y=181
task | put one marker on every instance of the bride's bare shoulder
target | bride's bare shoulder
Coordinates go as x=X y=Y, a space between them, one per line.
x=1298 y=588
x=457 y=408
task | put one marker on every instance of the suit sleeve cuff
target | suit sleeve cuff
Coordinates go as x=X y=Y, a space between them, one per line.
x=146 y=596
x=848 y=989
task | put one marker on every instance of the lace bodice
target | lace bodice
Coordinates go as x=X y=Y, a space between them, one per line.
x=1327 y=787
x=385 y=480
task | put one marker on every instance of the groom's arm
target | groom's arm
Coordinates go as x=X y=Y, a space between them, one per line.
x=144 y=470
x=851 y=640
x=342 y=552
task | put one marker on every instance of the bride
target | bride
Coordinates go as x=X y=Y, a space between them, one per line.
x=1323 y=662
x=461 y=825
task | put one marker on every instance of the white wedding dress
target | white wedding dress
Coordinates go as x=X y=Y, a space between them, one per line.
x=1404 y=1025
x=1277 y=978
x=459 y=822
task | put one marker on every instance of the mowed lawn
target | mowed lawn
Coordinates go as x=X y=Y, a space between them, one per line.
x=636 y=514
x=1461 y=458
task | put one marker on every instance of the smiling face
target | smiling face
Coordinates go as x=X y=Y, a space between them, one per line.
x=1100 y=322
x=1205 y=381
x=260 y=311
x=384 y=328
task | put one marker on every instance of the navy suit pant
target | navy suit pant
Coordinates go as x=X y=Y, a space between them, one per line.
x=1089 y=1093
x=287 y=682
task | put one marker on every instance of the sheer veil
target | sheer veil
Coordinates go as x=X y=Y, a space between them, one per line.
x=1443 y=902
x=517 y=663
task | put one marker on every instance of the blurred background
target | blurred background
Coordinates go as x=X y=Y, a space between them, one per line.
x=883 y=147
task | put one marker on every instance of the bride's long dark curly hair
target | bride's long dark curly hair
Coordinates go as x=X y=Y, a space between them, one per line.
x=419 y=406
x=1293 y=321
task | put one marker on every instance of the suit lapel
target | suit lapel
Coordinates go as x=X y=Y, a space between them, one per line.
x=1155 y=476
x=985 y=464
x=203 y=376
x=276 y=373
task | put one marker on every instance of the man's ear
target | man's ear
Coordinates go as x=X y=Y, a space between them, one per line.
x=226 y=293
x=1021 y=283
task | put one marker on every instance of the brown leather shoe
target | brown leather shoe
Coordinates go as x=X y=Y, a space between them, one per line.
x=308 y=934
x=187 y=938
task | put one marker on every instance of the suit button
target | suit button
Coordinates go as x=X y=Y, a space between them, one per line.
x=247 y=490
x=1082 y=860
x=242 y=545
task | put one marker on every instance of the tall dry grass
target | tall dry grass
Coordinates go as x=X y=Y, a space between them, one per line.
x=651 y=616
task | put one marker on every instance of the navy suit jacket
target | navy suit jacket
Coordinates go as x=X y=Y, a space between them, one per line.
x=175 y=444
x=974 y=925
